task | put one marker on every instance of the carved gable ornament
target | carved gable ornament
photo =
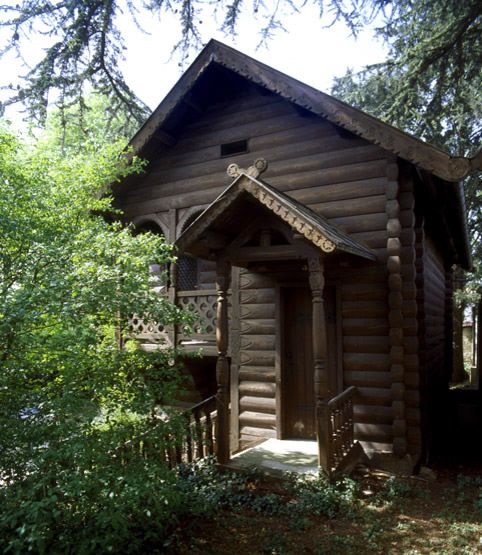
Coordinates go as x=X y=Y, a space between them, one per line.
x=276 y=206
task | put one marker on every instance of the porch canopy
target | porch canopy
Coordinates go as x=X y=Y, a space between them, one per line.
x=225 y=230
x=251 y=222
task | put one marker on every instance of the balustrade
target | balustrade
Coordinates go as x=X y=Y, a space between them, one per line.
x=336 y=429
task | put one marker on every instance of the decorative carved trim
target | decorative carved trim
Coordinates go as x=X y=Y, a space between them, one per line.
x=157 y=219
x=184 y=215
x=255 y=170
x=299 y=225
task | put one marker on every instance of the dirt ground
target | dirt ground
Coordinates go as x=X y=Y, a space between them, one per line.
x=439 y=512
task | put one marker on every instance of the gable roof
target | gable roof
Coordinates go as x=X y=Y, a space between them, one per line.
x=425 y=156
x=315 y=229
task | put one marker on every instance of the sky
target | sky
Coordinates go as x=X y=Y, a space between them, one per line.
x=306 y=50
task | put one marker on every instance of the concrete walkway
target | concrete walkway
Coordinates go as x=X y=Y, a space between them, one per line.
x=280 y=455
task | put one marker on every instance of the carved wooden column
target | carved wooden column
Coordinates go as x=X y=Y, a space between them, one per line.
x=223 y=275
x=324 y=384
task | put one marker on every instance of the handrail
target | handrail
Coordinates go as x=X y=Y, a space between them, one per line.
x=336 y=429
x=342 y=397
x=198 y=439
x=201 y=404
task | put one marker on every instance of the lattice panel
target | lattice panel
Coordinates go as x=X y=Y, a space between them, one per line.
x=151 y=331
x=187 y=273
x=205 y=306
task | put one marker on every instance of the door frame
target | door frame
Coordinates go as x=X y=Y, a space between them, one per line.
x=279 y=318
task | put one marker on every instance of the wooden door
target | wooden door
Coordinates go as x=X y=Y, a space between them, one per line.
x=298 y=395
x=297 y=390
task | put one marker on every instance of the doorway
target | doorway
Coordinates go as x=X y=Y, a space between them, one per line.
x=297 y=365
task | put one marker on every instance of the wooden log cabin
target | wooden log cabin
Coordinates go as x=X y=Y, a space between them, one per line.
x=317 y=243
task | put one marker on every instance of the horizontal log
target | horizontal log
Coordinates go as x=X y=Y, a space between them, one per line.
x=255 y=311
x=257 y=404
x=366 y=344
x=340 y=191
x=217 y=119
x=249 y=280
x=365 y=326
x=258 y=327
x=373 y=396
x=375 y=446
x=258 y=342
x=257 y=374
x=257 y=419
x=317 y=133
x=373 y=239
x=367 y=379
x=257 y=389
x=363 y=292
x=371 y=362
x=324 y=161
x=364 y=309
x=257 y=296
x=363 y=222
x=350 y=207
x=197 y=197
x=318 y=142
x=250 y=129
x=355 y=275
x=373 y=432
x=329 y=176
x=257 y=358
x=373 y=414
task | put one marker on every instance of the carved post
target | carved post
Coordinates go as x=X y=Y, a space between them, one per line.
x=324 y=387
x=223 y=274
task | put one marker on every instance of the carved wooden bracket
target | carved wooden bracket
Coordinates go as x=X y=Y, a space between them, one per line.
x=255 y=170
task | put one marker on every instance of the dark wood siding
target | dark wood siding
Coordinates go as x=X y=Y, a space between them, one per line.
x=339 y=176
x=435 y=306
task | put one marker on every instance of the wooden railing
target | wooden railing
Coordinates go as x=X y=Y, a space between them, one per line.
x=198 y=441
x=336 y=430
x=192 y=441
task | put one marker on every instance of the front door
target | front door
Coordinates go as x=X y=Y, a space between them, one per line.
x=297 y=365
x=298 y=395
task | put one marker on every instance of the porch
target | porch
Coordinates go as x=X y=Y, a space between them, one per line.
x=287 y=378
x=204 y=436
x=278 y=455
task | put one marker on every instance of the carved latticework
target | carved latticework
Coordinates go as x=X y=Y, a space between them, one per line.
x=202 y=303
x=148 y=331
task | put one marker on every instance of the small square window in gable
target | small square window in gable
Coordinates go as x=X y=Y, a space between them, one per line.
x=236 y=147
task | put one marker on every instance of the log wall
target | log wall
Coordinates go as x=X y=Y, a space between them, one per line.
x=435 y=310
x=341 y=177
